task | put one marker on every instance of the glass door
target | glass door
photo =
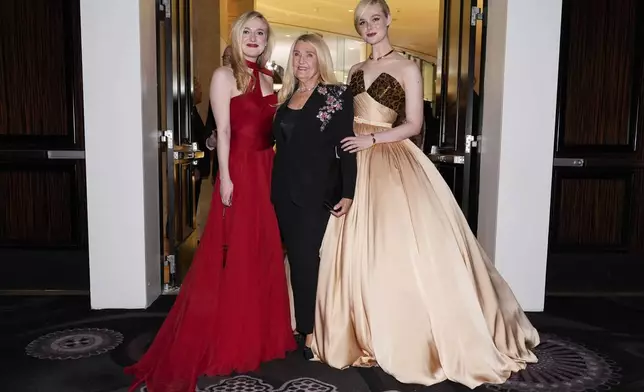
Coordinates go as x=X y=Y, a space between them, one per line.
x=178 y=153
x=461 y=47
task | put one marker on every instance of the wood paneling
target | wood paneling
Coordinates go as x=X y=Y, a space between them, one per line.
x=597 y=221
x=593 y=212
x=600 y=78
x=40 y=73
x=42 y=206
x=43 y=209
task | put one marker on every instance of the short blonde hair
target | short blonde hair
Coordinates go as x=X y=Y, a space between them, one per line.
x=243 y=78
x=325 y=66
x=359 y=10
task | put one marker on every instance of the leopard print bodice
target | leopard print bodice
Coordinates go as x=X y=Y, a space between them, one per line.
x=385 y=90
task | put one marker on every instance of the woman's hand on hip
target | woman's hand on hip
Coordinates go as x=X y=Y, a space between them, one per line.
x=354 y=144
x=342 y=207
x=226 y=192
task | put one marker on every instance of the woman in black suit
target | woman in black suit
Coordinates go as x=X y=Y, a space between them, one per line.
x=312 y=176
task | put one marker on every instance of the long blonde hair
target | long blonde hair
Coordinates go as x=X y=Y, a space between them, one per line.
x=362 y=4
x=325 y=66
x=243 y=78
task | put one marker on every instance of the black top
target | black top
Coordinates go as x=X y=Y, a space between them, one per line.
x=310 y=167
x=289 y=120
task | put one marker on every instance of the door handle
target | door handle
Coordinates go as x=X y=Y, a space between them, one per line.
x=66 y=154
x=186 y=147
x=183 y=155
x=445 y=158
x=569 y=162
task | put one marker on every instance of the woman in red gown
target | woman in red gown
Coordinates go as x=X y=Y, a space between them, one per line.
x=232 y=312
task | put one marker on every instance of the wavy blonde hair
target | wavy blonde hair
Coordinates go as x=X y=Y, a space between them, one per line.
x=362 y=4
x=325 y=66
x=243 y=78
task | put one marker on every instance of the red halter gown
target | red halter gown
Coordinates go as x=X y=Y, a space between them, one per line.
x=232 y=312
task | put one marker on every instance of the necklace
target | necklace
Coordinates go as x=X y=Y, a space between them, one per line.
x=381 y=57
x=303 y=90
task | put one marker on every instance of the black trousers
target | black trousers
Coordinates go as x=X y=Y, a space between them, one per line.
x=197 y=191
x=302 y=230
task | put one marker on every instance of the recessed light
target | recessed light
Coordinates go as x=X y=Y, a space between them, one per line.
x=350 y=10
x=288 y=35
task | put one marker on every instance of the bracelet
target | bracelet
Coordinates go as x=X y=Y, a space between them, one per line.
x=373 y=139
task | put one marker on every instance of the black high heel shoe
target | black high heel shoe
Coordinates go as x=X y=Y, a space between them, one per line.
x=307 y=353
x=300 y=340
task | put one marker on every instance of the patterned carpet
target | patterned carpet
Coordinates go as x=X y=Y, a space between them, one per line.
x=57 y=344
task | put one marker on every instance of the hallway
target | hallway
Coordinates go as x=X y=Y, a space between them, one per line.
x=56 y=344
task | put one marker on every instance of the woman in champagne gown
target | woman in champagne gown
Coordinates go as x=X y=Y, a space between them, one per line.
x=403 y=282
x=232 y=312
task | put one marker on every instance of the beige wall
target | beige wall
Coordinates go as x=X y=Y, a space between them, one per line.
x=211 y=31
x=479 y=43
x=228 y=12
x=414 y=28
x=206 y=45
x=235 y=8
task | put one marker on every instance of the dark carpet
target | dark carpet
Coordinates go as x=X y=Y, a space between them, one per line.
x=57 y=344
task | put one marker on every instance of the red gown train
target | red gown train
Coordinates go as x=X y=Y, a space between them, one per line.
x=232 y=312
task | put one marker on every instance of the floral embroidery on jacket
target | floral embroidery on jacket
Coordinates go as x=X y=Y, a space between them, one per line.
x=333 y=103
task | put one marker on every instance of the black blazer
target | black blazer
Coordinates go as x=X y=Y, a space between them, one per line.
x=311 y=168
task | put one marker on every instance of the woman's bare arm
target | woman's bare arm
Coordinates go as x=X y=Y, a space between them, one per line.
x=413 y=84
x=221 y=91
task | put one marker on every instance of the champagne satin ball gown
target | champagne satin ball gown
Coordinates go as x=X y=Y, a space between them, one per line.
x=403 y=281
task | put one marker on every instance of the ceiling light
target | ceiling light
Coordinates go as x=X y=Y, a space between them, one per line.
x=288 y=35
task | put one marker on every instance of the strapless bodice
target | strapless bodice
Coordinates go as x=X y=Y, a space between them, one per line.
x=381 y=105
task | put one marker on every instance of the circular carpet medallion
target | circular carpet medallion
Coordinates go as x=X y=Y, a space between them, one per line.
x=74 y=344
x=563 y=367
x=252 y=384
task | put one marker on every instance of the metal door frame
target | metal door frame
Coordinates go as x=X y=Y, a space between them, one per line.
x=465 y=153
x=175 y=18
